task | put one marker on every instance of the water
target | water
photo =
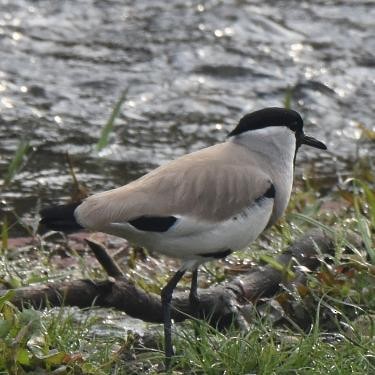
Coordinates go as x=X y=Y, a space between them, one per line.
x=192 y=69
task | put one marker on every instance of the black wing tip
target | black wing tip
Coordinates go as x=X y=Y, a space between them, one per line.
x=60 y=218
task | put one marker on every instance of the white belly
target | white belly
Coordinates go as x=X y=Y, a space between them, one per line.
x=189 y=238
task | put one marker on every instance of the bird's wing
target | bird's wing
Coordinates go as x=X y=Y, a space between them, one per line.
x=210 y=185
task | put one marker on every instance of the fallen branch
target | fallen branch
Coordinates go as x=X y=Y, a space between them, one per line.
x=217 y=303
x=105 y=260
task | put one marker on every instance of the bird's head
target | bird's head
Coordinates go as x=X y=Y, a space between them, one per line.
x=276 y=117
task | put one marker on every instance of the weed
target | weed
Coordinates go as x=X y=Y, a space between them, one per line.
x=17 y=162
x=108 y=127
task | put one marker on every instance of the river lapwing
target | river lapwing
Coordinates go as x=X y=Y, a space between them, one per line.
x=204 y=205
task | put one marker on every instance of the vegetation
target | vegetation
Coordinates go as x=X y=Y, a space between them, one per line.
x=17 y=161
x=323 y=326
x=108 y=127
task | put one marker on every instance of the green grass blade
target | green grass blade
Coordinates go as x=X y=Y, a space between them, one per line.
x=104 y=135
x=370 y=199
x=364 y=230
x=285 y=269
x=17 y=161
x=6 y=297
x=288 y=98
x=4 y=235
x=327 y=229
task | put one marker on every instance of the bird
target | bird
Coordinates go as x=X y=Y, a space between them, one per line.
x=203 y=205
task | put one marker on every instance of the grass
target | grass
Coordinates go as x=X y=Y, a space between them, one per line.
x=54 y=342
x=17 y=162
x=264 y=350
x=4 y=234
x=108 y=127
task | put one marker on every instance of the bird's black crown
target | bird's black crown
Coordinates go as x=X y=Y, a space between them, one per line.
x=266 y=117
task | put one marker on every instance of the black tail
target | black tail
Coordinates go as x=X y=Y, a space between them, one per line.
x=61 y=217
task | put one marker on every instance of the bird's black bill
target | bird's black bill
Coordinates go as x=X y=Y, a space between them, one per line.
x=310 y=141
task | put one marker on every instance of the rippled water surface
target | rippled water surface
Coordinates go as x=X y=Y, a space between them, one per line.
x=192 y=69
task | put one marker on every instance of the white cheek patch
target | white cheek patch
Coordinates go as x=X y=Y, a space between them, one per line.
x=280 y=134
x=278 y=142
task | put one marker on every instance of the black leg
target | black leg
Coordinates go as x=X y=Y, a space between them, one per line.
x=193 y=296
x=194 y=303
x=166 y=297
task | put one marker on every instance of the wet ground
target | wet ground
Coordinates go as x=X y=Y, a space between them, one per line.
x=192 y=70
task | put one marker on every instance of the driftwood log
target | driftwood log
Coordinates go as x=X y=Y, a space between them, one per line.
x=219 y=304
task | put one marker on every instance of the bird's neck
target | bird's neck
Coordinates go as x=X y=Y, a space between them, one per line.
x=276 y=144
x=274 y=149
